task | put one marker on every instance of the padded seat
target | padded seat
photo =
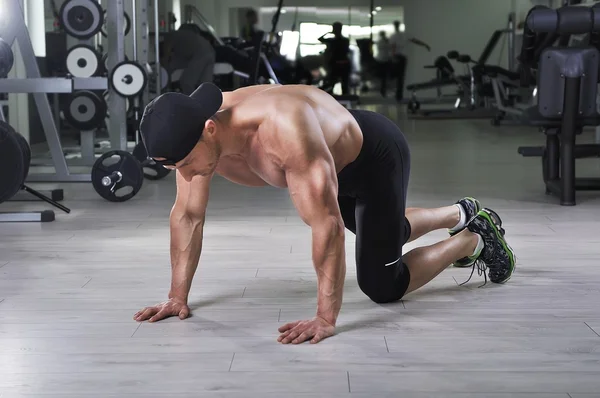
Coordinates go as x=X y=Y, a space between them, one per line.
x=532 y=117
x=435 y=83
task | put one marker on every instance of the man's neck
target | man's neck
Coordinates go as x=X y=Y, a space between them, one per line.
x=232 y=138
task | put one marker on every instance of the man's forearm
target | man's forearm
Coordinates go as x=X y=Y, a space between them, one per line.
x=186 y=246
x=329 y=259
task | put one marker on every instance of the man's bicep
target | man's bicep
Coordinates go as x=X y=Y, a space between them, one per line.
x=192 y=196
x=313 y=190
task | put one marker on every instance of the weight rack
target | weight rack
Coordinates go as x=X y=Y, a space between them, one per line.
x=13 y=29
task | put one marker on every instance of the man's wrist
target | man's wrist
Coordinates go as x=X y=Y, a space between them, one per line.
x=178 y=297
x=329 y=318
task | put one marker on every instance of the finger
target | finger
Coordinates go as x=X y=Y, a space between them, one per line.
x=184 y=313
x=288 y=326
x=318 y=337
x=284 y=335
x=293 y=334
x=147 y=313
x=307 y=334
x=162 y=314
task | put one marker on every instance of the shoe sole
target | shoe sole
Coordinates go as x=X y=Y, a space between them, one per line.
x=478 y=207
x=495 y=221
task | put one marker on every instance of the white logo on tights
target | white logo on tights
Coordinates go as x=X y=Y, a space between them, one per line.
x=393 y=262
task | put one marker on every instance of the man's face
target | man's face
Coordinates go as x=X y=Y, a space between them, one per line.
x=201 y=161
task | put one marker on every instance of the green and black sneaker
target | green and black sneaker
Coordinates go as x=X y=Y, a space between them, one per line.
x=471 y=207
x=497 y=256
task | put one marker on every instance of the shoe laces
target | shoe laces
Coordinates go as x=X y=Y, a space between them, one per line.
x=481 y=268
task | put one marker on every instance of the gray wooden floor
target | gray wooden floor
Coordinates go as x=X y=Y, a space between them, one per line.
x=69 y=289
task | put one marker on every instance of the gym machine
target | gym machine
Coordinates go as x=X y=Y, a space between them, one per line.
x=246 y=62
x=567 y=81
x=470 y=87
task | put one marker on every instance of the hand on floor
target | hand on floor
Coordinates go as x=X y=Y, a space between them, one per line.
x=298 y=332
x=163 y=310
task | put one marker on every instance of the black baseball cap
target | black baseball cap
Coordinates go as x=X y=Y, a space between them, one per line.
x=173 y=123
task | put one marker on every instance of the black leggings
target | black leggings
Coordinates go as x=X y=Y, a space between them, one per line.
x=372 y=201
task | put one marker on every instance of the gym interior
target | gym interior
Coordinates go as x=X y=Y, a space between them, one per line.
x=497 y=100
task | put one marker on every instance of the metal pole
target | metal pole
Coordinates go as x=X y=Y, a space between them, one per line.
x=116 y=53
x=134 y=29
x=512 y=27
x=156 y=49
x=372 y=19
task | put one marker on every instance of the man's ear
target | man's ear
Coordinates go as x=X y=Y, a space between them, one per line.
x=210 y=127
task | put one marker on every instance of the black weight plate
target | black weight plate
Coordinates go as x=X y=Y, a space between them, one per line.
x=130 y=169
x=126 y=22
x=26 y=154
x=82 y=61
x=85 y=110
x=6 y=58
x=128 y=79
x=152 y=171
x=12 y=174
x=81 y=18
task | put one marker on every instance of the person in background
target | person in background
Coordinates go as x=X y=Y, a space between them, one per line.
x=383 y=57
x=249 y=29
x=398 y=43
x=337 y=57
x=188 y=50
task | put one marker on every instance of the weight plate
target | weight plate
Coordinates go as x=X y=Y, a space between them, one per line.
x=128 y=79
x=130 y=169
x=81 y=18
x=85 y=110
x=26 y=150
x=12 y=174
x=82 y=61
x=126 y=23
x=152 y=171
x=6 y=58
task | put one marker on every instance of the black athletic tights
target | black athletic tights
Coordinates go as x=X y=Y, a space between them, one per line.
x=372 y=199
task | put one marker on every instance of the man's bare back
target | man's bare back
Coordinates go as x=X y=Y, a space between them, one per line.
x=272 y=117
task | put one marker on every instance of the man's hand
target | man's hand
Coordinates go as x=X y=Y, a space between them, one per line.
x=163 y=310
x=298 y=332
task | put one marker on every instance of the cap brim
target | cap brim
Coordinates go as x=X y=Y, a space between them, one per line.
x=209 y=97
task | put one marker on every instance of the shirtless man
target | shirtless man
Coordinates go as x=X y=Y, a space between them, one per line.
x=344 y=170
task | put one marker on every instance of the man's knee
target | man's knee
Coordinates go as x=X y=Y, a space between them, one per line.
x=385 y=289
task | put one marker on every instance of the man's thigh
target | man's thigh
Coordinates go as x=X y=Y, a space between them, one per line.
x=381 y=231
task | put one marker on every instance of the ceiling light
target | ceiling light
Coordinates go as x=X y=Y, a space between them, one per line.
x=374 y=12
x=378 y=8
x=283 y=11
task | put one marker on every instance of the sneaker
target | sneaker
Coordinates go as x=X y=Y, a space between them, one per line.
x=497 y=256
x=471 y=206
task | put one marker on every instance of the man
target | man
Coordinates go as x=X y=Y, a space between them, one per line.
x=249 y=30
x=383 y=61
x=343 y=169
x=337 y=56
x=188 y=50
x=398 y=45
